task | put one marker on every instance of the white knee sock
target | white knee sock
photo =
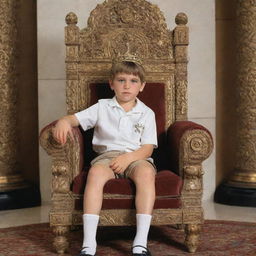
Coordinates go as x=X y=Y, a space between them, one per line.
x=143 y=224
x=90 y=228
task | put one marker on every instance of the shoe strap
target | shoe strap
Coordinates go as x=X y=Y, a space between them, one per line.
x=141 y=247
x=83 y=252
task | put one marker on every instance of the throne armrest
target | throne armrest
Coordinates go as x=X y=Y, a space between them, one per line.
x=67 y=162
x=68 y=158
x=189 y=145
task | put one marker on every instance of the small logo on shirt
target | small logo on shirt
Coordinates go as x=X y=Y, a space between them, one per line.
x=138 y=128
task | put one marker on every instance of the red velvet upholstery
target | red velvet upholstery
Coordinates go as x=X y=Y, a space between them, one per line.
x=168 y=188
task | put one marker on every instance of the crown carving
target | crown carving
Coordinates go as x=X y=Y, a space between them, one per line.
x=129 y=58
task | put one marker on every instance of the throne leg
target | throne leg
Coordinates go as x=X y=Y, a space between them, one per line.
x=60 y=242
x=192 y=232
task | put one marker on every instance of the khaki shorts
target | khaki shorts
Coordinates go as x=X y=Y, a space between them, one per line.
x=105 y=159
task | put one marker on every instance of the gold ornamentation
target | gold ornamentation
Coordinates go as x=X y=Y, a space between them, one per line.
x=181 y=96
x=243 y=178
x=192 y=236
x=8 y=82
x=244 y=175
x=181 y=18
x=71 y=18
x=128 y=57
x=10 y=179
x=193 y=215
x=119 y=217
x=12 y=182
x=60 y=241
x=115 y=28
x=60 y=219
x=61 y=184
x=141 y=16
x=192 y=202
x=196 y=146
x=181 y=41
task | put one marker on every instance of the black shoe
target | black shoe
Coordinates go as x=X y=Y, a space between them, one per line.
x=84 y=253
x=146 y=251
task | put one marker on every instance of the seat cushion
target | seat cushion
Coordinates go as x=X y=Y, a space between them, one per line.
x=120 y=193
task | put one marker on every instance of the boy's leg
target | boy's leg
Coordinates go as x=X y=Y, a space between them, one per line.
x=93 y=195
x=97 y=177
x=143 y=175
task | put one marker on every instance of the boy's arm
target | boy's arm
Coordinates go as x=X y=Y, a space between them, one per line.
x=120 y=163
x=64 y=127
x=144 y=152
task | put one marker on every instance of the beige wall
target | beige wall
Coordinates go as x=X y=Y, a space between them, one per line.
x=201 y=68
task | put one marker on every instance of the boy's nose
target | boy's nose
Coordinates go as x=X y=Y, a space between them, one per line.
x=126 y=85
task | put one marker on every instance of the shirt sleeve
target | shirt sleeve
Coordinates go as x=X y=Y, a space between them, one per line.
x=88 y=118
x=149 y=134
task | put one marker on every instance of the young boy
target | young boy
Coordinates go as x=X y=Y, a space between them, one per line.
x=124 y=138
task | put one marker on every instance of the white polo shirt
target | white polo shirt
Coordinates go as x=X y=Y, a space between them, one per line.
x=116 y=129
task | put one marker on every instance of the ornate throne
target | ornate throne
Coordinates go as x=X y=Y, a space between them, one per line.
x=114 y=27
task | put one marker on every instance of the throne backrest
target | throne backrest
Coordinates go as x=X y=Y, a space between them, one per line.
x=138 y=27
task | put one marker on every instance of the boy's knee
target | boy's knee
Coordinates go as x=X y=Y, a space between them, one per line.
x=99 y=172
x=144 y=172
x=95 y=171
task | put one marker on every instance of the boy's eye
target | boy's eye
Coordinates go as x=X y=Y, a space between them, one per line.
x=134 y=81
x=120 y=80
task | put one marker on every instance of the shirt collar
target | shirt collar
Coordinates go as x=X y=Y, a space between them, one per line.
x=138 y=108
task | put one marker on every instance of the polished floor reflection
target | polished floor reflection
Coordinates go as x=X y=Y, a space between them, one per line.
x=212 y=210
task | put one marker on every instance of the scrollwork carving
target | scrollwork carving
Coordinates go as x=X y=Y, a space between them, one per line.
x=144 y=19
x=246 y=86
x=192 y=236
x=61 y=184
x=60 y=240
x=60 y=219
x=71 y=93
x=66 y=159
x=115 y=27
x=8 y=90
x=192 y=176
x=181 y=18
x=194 y=171
x=71 y=19
x=59 y=169
x=198 y=146
x=181 y=99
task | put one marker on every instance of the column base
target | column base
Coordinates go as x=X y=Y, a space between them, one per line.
x=20 y=198
x=230 y=195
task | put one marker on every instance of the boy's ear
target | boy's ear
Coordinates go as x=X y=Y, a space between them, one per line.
x=142 y=86
x=110 y=81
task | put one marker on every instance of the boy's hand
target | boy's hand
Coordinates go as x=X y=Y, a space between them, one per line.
x=61 y=130
x=120 y=163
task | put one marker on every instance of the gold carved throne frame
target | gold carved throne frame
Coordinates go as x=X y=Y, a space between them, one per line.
x=115 y=27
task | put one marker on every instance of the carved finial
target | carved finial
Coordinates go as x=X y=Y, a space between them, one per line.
x=181 y=18
x=128 y=57
x=71 y=18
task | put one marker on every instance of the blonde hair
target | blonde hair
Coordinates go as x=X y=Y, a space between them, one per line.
x=127 y=67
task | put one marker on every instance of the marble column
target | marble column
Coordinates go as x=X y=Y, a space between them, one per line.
x=13 y=189
x=240 y=189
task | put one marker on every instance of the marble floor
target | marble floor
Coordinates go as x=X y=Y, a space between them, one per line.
x=213 y=211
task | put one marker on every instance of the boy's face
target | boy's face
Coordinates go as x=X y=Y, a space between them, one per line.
x=126 y=87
